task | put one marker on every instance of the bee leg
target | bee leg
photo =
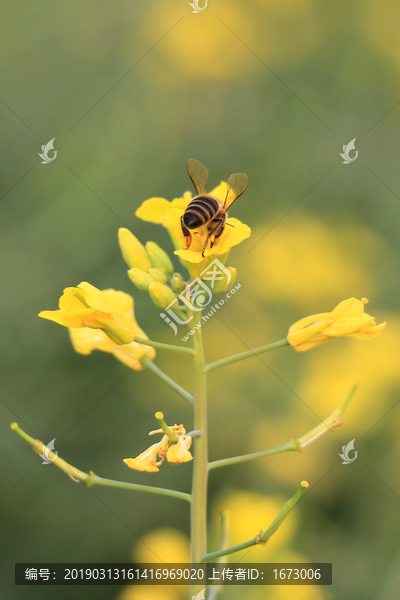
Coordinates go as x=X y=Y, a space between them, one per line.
x=216 y=231
x=186 y=233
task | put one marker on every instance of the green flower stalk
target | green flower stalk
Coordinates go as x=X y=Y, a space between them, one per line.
x=105 y=321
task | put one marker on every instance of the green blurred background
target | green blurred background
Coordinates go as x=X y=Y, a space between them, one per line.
x=272 y=88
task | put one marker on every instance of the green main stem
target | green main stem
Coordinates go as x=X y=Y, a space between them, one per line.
x=198 y=522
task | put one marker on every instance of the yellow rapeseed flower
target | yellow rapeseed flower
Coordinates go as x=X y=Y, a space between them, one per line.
x=85 y=340
x=347 y=318
x=86 y=306
x=93 y=329
x=152 y=458
x=168 y=214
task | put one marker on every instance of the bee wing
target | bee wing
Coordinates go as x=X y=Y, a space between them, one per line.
x=237 y=184
x=198 y=173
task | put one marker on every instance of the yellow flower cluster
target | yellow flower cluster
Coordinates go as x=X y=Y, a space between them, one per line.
x=347 y=318
x=168 y=214
x=152 y=458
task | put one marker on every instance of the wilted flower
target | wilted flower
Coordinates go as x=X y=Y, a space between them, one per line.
x=147 y=460
x=179 y=453
x=152 y=458
x=348 y=318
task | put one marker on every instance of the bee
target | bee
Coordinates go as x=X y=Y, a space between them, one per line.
x=205 y=210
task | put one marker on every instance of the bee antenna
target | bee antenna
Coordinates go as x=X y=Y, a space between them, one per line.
x=229 y=225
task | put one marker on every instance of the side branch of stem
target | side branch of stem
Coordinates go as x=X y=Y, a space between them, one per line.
x=175 y=386
x=162 y=346
x=263 y=537
x=243 y=355
x=334 y=420
x=92 y=479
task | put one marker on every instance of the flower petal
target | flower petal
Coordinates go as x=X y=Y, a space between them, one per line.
x=85 y=340
x=69 y=301
x=190 y=256
x=120 y=302
x=310 y=320
x=232 y=236
x=220 y=191
x=179 y=453
x=95 y=298
x=146 y=461
x=53 y=315
x=348 y=308
x=370 y=333
x=182 y=202
x=133 y=463
x=153 y=210
x=297 y=337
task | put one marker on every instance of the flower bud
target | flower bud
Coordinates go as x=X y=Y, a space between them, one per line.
x=161 y=294
x=177 y=282
x=158 y=275
x=158 y=258
x=141 y=279
x=133 y=251
x=222 y=286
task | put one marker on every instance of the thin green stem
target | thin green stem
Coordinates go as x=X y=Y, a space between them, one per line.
x=92 y=479
x=263 y=537
x=198 y=525
x=194 y=433
x=334 y=420
x=243 y=355
x=175 y=386
x=224 y=536
x=234 y=460
x=162 y=346
x=95 y=480
x=214 y=555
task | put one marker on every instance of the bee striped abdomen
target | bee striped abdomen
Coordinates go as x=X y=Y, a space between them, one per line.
x=199 y=211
